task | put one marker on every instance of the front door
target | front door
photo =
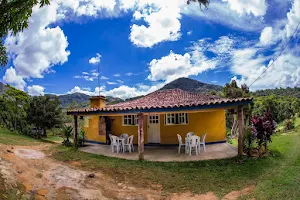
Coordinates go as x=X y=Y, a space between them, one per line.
x=153 y=129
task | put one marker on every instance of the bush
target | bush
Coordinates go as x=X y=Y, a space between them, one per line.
x=81 y=138
x=67 y=131
x=263 y=127
x=288 y=124
x=248 y=138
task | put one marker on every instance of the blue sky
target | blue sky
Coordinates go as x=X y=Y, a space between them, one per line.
x=140 y=45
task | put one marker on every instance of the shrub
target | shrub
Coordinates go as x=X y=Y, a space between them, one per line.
x=288 y=124
x=81 y=138
x=248 y=138
x=263 y=127
x=67 y=131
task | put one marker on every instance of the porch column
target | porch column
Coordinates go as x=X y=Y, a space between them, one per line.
x=75 y=130
x=241 y=130
x=141 y=136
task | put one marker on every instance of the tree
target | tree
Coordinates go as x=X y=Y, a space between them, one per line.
x=13 y=106
x=14 y=18
x=232 y=91
x=44 y=113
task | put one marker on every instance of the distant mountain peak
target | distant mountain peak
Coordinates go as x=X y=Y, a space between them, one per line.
x=192 y=85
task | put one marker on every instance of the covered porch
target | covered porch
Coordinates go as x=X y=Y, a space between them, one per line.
x=190 y=112
x=166 y=153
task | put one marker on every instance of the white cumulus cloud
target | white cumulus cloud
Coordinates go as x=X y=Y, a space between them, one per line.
x=266 y=36
x=173 y=66
x=35 y=90
x=11 y=77
x=95 y=60
x=256 y=7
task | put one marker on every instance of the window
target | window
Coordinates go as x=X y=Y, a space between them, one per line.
x=176 y=118
x=130 y=120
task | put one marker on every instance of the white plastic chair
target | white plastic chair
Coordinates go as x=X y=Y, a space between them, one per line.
x=194 y=143
x=180 y=142
x=129 y=144
x=114 y=143
x=203 y=142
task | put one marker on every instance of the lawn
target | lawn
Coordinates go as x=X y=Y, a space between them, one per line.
x=275 y=177
x=11 y=138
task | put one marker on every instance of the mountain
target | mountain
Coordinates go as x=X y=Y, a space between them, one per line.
x=83 y=100
x=191 y=85
x=186 y=84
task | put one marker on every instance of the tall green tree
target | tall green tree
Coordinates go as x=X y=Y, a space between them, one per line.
x=44 y=113
x=13 y=106
x=14 y=15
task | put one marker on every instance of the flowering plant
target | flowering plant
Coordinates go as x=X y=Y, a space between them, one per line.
x=263 y=127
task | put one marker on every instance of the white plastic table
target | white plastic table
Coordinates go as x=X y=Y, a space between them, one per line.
x=122 y=140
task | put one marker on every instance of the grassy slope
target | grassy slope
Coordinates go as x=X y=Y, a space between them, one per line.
x=11 y=138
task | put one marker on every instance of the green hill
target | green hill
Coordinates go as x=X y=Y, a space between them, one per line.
x=192 y=85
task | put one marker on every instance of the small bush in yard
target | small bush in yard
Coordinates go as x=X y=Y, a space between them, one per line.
x=263 y=127
x=82 y=138
x=288 y=124
x=67 y=131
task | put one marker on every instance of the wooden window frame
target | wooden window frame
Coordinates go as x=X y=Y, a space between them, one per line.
x=132 y=118
x=176 y=119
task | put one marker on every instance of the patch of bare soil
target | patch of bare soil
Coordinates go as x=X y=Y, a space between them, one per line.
x=29 y=154
x=190 y=196
x=236 y=194
x=45 y=178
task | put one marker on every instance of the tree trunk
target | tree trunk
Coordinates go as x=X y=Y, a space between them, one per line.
x=141 y=136
x=75 y=130
x=241 y=130
x=44 y=132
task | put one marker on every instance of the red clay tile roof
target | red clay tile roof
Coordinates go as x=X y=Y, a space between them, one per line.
x=166 y=99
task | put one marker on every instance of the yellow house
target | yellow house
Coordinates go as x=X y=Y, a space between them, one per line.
x=158 y=117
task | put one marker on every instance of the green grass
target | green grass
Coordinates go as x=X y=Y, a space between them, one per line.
x=276 y=176
x=12 y=138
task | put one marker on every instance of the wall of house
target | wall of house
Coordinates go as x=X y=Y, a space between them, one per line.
x=117 y=128
x=91 y=130
x=213 y=123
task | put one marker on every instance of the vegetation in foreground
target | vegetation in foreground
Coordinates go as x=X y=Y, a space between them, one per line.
x=276 y=176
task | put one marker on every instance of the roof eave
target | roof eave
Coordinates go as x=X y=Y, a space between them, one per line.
x=173 y=109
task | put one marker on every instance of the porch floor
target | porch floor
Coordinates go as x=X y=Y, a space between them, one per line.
x=166 y=153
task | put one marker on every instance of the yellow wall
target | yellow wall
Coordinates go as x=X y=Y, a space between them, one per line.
x=91 y=130
x=213 y=123
x=117 y=128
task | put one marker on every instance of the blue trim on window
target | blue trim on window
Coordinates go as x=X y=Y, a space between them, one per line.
x=173 y=109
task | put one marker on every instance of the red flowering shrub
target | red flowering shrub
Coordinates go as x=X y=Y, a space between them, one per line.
x=263 y=127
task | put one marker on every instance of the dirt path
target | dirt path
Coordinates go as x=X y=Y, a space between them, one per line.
x=41 y=177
